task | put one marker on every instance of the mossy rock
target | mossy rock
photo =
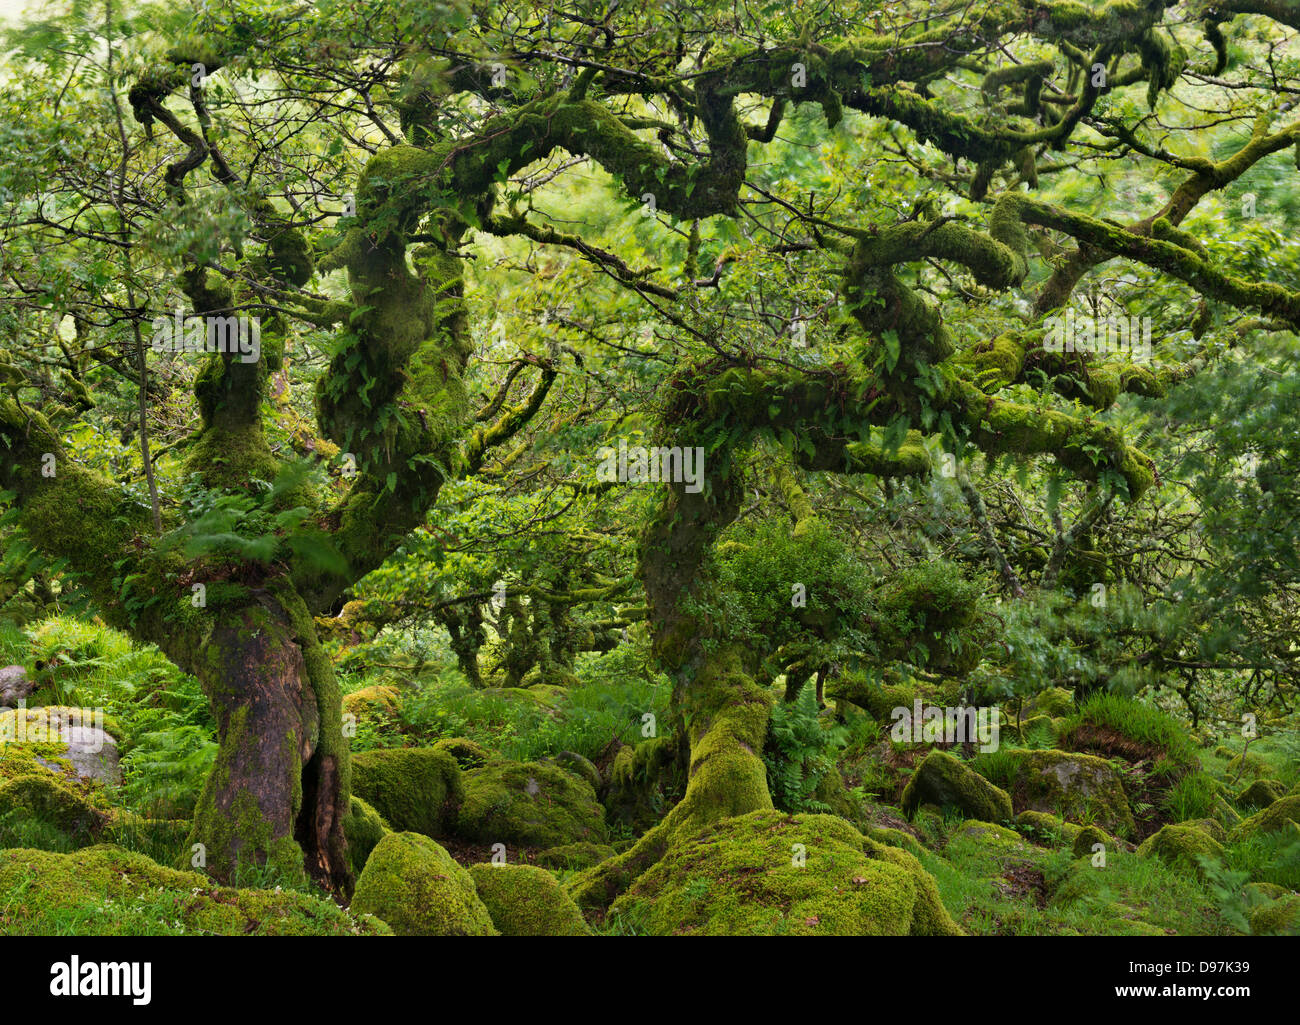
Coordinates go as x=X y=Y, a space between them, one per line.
x=379 y=700
x=1275 y=818
x=55 y=801
x=895 y=838
x=415 y=886
x=467 y=753
x=879 y=700
x=1250 y=765
x=1087 y=839
x=1083 y=788
x=1211 y=826
x=529 y=804
x=769 y=873
x=527 y=901
x=574 y=856
x=1278 y=918
x=1267 y=891
x=581 y=767
x=1052 y=702
x=1045 y=825
x=998 y=839
x=84 y=745
x=1262 y=793
x=1114 y=726
x=107 y=891
x=413 y=788
x=364 y=828
x=942 y=780
x=1180 y=844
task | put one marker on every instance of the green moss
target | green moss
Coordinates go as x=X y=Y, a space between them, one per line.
x=942 y=780
x=1181 y=844
x=640 y=779
x=895 y=838
x=527 y=901
x=1083 y=788
x=370 y=702
x=743 y=877
x=1279 y=815
x=1054 y=702
x=1041 y=824
x=529 y=804
x=414 y=886
x=997 y=838
x=413 y=788
x=1087 y=838
x=1279 y=918
x=1250 y=765
x=467 y=753
x=105 y=890
x=574 y=856
x=364 y=828
x=1262 y=793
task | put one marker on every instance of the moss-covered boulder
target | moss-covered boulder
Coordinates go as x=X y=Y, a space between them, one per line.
x=1275 y=818
x=364 y=828
x=415 y=886
x=995 y=838
x=1212 y=826
x=944 y=781
x=769 y=873
x=574 y=856
x=468 y=754
x=1039 y=825
x=107 y=891
x=1278 y=918
x=1262 y=793
x=529 y=804
x=582 y=767
x=1052 y=702
x=1079 y=787
x=880 y=700
x=1086 y=840
x=895 y=838
x=42 y=795
x=379 y=700
x=527 y=901
x=1251 y=765
x=83 y=742
x=1179 y=844
x=413 y=788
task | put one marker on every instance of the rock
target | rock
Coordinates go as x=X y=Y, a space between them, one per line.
x=1180 y=845
x=527 y=901
x=1279 y=918
x=413 y=788
x=769 y=873
x=140 y=897
x=413 y=885
x=1075 y=786
x=996 y=838
x=14 y=686
x=1211 y=826
x=468 y=754
x=581 y=767
x=1048 y=826
x=1262 y=793
x=374 y=702
x=364 y=828
x=1052 y=702
x=529 y=804
x=1279 y=815
x=942 y=780
x=1087 y=838
x=574 y=856
x=85 y=744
